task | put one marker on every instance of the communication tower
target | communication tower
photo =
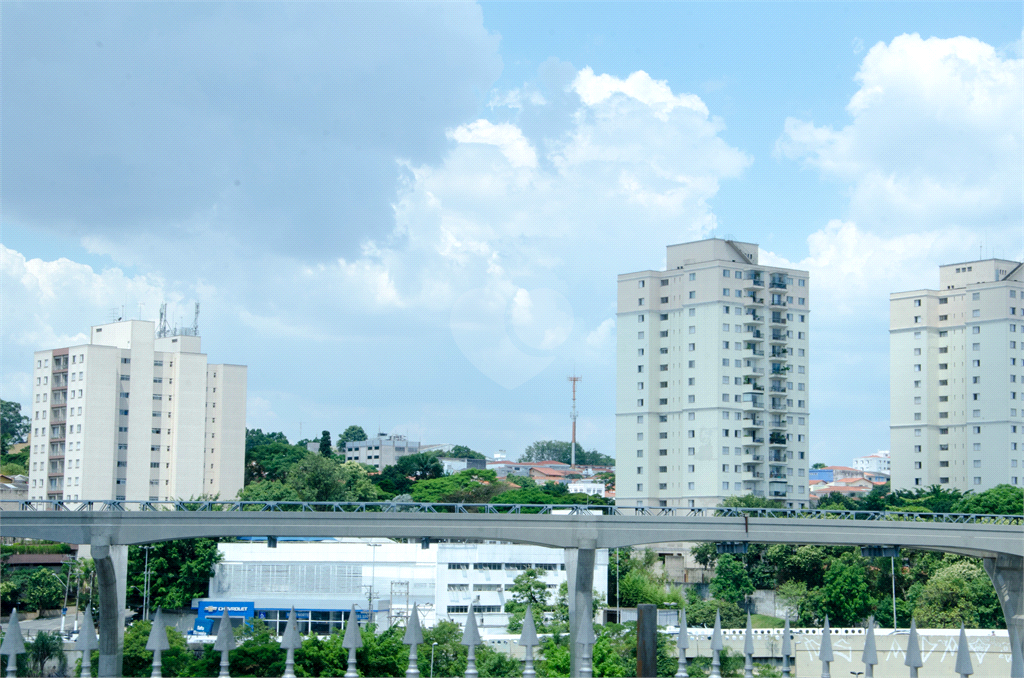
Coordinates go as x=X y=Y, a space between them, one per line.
x=574 y=379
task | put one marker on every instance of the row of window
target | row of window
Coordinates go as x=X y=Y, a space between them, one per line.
x=777 y=279
x=45 y=362
x=519 y=567
x=737 y=487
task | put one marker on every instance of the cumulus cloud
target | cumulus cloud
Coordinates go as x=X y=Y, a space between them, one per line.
x=52 y=303
x=656 y=94
x=506 y=137
x=935 y=138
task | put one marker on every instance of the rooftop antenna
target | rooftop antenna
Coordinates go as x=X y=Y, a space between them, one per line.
x=163 y=330
x=195 y=322
x=574 y=379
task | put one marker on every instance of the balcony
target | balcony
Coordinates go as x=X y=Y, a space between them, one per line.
x=754 y=421
x=777 y=456
x=779 y=370
x=777 y=284
x=776 y=476
x=778 y=338
x=777 y=493
x=777 y=320
x=753 y=317
x=777 y=389
x=755 y=351
x=777 y=423
x=777 y=439
x=751 y=283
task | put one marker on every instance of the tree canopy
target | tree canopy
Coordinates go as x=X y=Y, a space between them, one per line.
x=557 y=450
x=350 y=435
x=14 y=425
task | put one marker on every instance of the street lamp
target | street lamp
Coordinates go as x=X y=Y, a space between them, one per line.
x=67 y=585
x=432 y=646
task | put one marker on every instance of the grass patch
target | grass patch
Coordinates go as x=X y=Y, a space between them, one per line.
x=763 y=621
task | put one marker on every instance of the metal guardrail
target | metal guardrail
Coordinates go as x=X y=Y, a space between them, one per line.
x=540 y=509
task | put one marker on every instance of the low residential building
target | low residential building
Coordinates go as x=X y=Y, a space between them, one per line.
x=592 y=488
x=877 y=463
x=854 y=488
x=830 y=473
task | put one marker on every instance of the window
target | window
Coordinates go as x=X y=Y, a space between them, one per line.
x=943 y=464
x=640 y=454
x=640 y=419
x=663 y=401
x=917 y=464
x=663 y=384
x=639 y=436
x=639 y=352
x=664 y=282
x=692 y=347
x=917 y=351
x=640 y=283
x=977 y=480
x=663 y=469
x=458 y=566
x=663 y=368
x=640 y=301
x=917 y=368
x=693 y=295
x=691 y=364
x=640 y=385
x=691 y=434
x=917 y=318
x=639 y=335
x=693 y=312
x=640 y=318
x=725 y=292
x=664 y=350
x=639 y=368
x=486 y=566
x=690 y=451
x=663 y=453
x=976 y=296
x=942 y=366
x=664 y=316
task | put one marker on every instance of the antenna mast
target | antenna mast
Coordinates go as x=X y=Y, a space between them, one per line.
x=163 y=330
x=574 y=379
x=195 y=322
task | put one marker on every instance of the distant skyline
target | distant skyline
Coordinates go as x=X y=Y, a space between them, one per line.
x=410 y=216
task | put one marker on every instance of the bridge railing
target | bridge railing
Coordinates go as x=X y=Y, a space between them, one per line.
x=513 y=509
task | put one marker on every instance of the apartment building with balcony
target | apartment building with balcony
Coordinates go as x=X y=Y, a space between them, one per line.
x=134 y=416
x=957 y=378
x=712 y=384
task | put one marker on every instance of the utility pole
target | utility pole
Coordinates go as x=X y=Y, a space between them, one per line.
x=574 y=379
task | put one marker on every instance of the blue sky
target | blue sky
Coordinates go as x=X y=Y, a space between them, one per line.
x=410 y=216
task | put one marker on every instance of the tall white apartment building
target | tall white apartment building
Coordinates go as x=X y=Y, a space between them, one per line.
x=957 y=378
x=712 y=382
x=137 y=417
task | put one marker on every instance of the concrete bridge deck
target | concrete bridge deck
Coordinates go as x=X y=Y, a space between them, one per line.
x=112 y=525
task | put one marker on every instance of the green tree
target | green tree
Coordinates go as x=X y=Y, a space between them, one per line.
x=791 y=594
x=750 y=501
x=350 y=435
x=1001 y=499
x=138 y=661
x=844 y=596
x=14 y=425
x=731 y=582
x=705 y=554
x=268 y=490
x=272 y=460
x=40 y=590
x=463 y=452
x=558 y=450
x=255 y=437
x=636 y=588
x=45 y=647
x=529 y=589
x=961 y=592
x=325 y=444
x=179 y=570
x=316 y=478
x=419 y=467
x=818 y=465
x=458 y=485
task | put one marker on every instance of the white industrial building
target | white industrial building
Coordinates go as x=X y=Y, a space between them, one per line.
x=957 y=378
x=712 y=384
x=323 y=580
x=136 y=416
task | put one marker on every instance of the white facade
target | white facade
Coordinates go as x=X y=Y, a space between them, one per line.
x=713 y=381
x=136 y=417
x=957 y=378
x=381 y=451
x=330 y=576
x=873 y=463
x=594 y=489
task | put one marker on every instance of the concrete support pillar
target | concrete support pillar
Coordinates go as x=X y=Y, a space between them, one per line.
x=112 y=578
x=1007 y=575
x=579 y=570
x=647 y=641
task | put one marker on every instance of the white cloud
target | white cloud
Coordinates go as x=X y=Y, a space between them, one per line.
x=51 y=303
x=517 y=98
x=935 y=140
x=602 y=335
x=594 y=89
x=507 y=137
